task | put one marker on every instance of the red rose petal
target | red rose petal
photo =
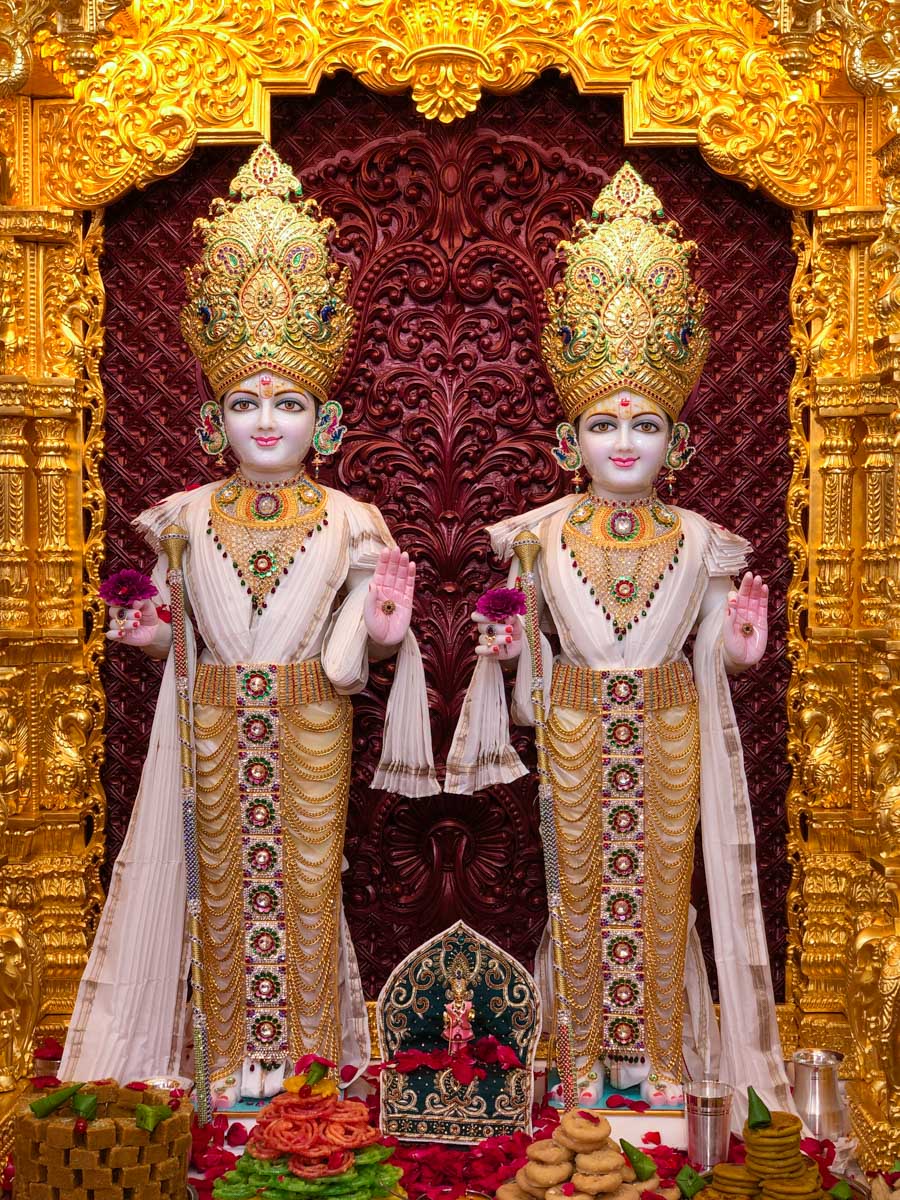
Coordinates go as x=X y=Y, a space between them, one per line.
x=136 y=1086
x=237 y=1135
x=616 y=1101
x=49 y=1048
x=652 y=1138
x=348 y=1073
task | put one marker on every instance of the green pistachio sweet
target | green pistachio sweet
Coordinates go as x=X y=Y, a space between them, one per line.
x=148 y=1116
x=43 y=1106
x=689 y=1182
x=758 y=1116
x=643 y=1164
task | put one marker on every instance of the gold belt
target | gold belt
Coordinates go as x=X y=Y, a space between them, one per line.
x=668 y=686
x=289 y=684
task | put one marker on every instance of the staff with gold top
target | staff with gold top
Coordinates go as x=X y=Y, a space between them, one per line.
x=294 y=587
x=527 y=548
x=634 y=741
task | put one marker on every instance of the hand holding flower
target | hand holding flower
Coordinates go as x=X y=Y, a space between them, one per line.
x=499 y=629
x=134 y=626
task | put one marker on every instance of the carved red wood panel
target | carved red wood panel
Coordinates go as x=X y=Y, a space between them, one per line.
x=450 y=235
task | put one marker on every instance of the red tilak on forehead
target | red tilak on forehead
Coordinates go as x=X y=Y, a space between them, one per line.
x=624 y=402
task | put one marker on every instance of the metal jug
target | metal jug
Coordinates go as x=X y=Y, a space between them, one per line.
x=817 y=1094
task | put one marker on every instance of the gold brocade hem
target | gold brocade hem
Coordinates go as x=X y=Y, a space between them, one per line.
x=625 y=776
x=297 y=683
x=273 y=775
x=668 y=686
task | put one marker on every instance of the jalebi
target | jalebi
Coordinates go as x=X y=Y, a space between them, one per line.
x=320 y=1170
x=348 y=1137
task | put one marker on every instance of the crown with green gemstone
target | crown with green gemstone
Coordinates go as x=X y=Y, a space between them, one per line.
x=266 y=294
x=627 y=313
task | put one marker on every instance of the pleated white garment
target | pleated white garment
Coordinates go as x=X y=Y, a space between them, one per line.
x=129 y=1016
x=748 y=1050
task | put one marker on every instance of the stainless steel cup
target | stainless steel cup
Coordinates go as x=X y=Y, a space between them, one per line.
x=817 y=1094
x=708 y=1106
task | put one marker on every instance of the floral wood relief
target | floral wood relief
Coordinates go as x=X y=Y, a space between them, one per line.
x=450 y=232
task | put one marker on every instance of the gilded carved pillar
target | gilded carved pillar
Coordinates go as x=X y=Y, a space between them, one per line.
x=14 y=588
x=877 y=585
x=55 y=583
x=873 y=878
x=50 y=716
x=834 y=577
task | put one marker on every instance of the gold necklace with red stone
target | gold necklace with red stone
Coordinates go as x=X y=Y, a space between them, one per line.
x=622 y=551
x=262 y=528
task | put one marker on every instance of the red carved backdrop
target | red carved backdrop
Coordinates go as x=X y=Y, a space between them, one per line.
x=450 y=236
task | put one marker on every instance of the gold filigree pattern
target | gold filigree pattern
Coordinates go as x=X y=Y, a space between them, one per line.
x=427 y=1105
x=775 y=114
x=200 y=71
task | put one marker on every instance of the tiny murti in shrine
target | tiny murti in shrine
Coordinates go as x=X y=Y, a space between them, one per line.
x=637 y=742
x=458 y=1026
x=292 y=587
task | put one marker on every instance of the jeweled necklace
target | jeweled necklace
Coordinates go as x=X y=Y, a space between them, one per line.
x=262 y=527
x=622 y=551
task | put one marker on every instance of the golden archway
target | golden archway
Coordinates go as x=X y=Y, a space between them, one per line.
x=802 y=111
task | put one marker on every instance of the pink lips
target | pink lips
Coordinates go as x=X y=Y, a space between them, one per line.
x=266 y=441
x=623 y=462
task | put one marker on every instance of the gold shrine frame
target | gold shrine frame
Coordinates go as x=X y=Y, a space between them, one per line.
x=176 y=73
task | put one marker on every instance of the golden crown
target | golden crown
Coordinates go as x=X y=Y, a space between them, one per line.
x=265 y=294
x=627 y=313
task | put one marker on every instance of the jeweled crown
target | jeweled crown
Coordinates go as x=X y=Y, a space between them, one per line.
x=266 y=294
x=627 y=313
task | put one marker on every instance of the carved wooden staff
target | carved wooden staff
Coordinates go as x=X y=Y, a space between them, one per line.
x=527 y=547
x=174 y=542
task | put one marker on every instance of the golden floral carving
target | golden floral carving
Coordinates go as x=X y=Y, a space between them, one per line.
x=68 y=717
x=12 y=285
x=14 y=766
x=799 y=398
x=199 y=71
x=20 y=995
x=54 y=584
x=821 y=751
x=834 y=558
x=14 y=586
x=878 y=585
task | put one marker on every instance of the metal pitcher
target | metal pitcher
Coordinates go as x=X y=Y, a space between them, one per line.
x=817 y=1094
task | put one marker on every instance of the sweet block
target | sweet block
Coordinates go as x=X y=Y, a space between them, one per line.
x=64 y=1156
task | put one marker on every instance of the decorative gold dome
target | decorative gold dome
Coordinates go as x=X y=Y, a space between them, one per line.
x=627 y=313
x=266 y=294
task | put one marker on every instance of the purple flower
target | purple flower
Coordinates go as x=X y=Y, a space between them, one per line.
x=127 y=587
x=499 y=604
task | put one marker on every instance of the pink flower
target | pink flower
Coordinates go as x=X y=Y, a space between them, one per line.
x=127 y=587
x=499 y=604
